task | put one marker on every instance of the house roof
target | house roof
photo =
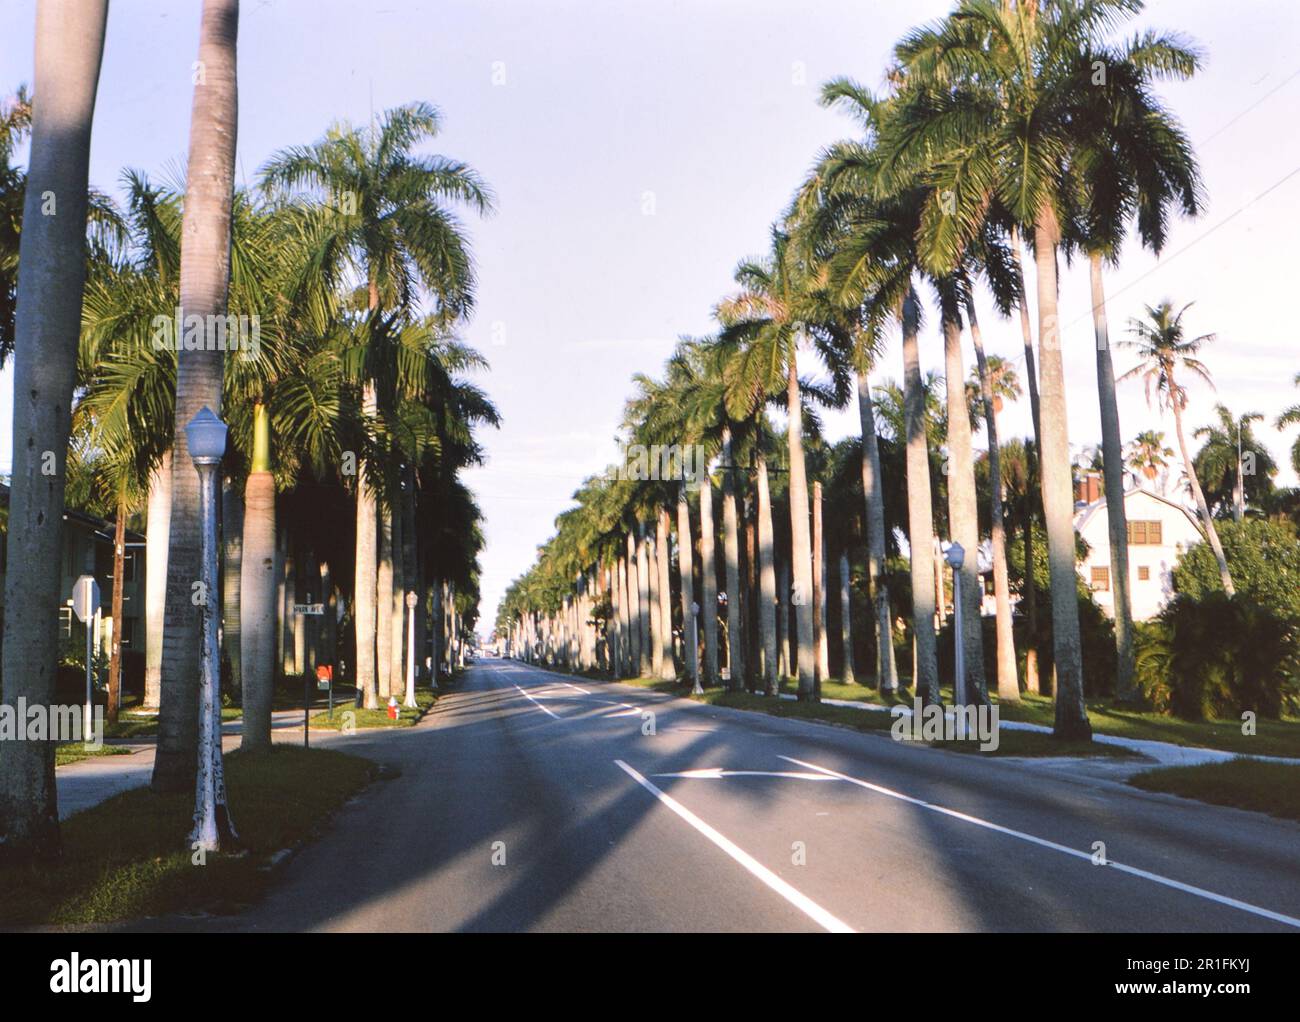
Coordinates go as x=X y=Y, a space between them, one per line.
x=103 y=527
x=1085 y=514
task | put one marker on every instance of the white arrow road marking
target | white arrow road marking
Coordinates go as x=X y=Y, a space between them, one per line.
x=631 y=711
x=795 y=897
x=1177 y=885
x=544 y=709
x=575 y=688
x=718 y=773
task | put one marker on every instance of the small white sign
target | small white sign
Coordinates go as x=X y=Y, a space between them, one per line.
x=85 y=597
x=312 y=609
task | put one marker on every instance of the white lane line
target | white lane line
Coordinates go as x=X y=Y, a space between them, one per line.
x=796 y=898
x=544 y=709
x=575 y=688
x=1177 y=885
x=718 y=773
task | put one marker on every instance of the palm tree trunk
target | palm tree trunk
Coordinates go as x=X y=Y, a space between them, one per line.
x=644 y=607
x=731 y=545
x=767 y=583
x=800 y=541
x=51 y=276
x=157 y=519
x=232 y=545
x=257 y=607
x=1031 y=377
x=708 y=581
x=384 y=606
x=784 y=653
x=1112 y=467
x=438 y=640
x=920 y=523
x=366 y=578
x=397 y=616
x=668 y=671
x=119 y=581
x=288 y=619
x=963 y=505
x=874 y=492
x=410 y=567
x=749 y=589
x=1008 y=680
x=846 y=619
x=819 y=589
x=1058 y=496
x=686 y=568
x=656 y=627
x=1211 y=533
x=204 y=291
x=633 y=608
x=624 y=658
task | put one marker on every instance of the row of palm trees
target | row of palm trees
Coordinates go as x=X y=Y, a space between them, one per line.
x=1008 y=123
x=347 y=394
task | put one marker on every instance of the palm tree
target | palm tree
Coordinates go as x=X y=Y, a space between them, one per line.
x=994 y=101
x=992 y=390
x=395 y=232
x=1232 y=464
x=51 y=274
x=1163 y=351
x=765 y=317
x=204 y=287
x=1290 y=417
x=1147 y=454
x=1132 y=159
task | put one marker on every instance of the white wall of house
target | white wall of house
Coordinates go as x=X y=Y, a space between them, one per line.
x=1160 y=530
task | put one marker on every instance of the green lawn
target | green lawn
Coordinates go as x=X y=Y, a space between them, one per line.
x=75 y=752
x=1010 y=743
x=145 y=725
x=1272 y=788
x=360 y=718
x=128 y=856
x=1272 y=737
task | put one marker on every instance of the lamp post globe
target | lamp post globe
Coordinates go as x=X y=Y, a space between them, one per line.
x=205 y=435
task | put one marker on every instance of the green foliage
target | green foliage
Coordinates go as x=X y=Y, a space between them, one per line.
x=1272 y=788
x=1218 y=656
x=1264 y=558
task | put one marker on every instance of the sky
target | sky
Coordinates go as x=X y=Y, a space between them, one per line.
x=638 y=150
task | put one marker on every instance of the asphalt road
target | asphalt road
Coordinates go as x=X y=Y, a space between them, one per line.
x=532 y=801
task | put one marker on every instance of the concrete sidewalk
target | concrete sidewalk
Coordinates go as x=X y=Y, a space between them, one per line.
x=91 y=781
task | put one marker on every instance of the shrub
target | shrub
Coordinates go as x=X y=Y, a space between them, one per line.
x=1219 y=656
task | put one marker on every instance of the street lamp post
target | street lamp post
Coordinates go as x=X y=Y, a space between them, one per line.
x=955 y=555
x=206 y=437
x=694 y=655
x=411 y=600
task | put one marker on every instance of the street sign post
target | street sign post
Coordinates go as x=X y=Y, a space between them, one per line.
x=85 y=604
x=309 y=609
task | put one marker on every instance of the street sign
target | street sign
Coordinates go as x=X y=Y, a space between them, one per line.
x=309 y=609
x=85 y=597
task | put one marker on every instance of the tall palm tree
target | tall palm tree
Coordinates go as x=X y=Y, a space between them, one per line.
x=395 y=233
x=1132 y=160
x=1289 y=417
x=1008 y=677
x=51 y=274
x=1232 y=465
x=770 y=317
x=204 y=287
x=1147 y=454
x=1163 y=350
x=993 y=100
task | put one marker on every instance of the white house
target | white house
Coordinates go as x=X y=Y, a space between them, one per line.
x=1160 y=529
